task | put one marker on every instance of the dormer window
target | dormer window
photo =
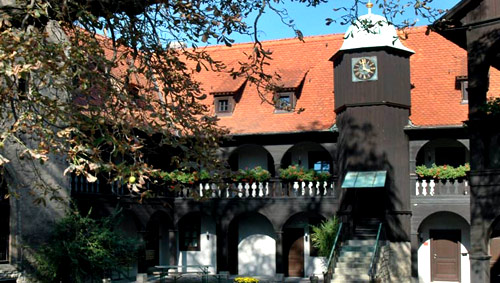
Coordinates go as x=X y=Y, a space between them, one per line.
x=284 y=102
x=224 y=105
x=462 y=83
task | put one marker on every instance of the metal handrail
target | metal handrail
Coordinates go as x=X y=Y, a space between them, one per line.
x=332 y=252
x=371 y=271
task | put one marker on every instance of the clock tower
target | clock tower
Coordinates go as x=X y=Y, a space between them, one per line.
x=372 y=105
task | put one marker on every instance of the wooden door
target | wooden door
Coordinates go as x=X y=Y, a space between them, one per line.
x=445 y=255
x=296 y=258
x=495 y=258
x=294 y=251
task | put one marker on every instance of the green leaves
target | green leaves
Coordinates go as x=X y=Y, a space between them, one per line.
x=83 y=248
x=444 y=172
x=298 y=173
x=256 y=174
x=323 y=235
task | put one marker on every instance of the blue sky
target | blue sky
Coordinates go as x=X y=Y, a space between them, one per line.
x=311 y=21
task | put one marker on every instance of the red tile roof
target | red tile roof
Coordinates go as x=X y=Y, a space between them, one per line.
x=434 y=68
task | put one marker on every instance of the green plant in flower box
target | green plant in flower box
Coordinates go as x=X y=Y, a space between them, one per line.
x=256 y=174
x=297 y=173
x=182 y=177
x=443 y=172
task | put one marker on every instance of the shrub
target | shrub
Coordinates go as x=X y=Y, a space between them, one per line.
x=257 y=174
x=443 y=172
x=323 y=235
x=84 y=249
x=297 y=173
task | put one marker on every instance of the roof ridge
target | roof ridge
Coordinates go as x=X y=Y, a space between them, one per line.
x=295 y=40
x=280 y=41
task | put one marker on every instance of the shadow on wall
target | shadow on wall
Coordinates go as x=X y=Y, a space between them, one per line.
x=257 y=255
x=364 y=147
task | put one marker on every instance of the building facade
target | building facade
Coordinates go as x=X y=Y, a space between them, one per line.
x=371 y=104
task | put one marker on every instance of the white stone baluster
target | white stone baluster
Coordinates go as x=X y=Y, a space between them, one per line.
x=310 y=187
x=261 y=189
x=246 y=190
x=296 y=187
x=240 y=190
x=254 y=189
x=432 y=186
x=417 y=184
x=215 y=190
x=424 y=187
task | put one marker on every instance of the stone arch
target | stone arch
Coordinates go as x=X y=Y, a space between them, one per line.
x=252 y=245
x=308 y=154
x=443 y=151
x=250 y=156
x=156 y=241
x=197 y=238
x=443 y=228
x=300 y=258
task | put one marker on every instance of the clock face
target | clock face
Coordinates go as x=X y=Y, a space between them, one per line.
x=364 y=69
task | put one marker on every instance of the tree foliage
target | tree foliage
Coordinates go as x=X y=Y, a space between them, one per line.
x=103 y=101
x=82 y=249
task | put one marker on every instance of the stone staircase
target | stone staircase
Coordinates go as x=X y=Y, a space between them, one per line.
x=355 y=255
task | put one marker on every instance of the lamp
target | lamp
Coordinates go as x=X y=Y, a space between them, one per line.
x=208 y=235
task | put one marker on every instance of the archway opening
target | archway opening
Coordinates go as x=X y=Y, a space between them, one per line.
x=156 y=241
x=250 y=156
x=300 y=258
x=308 y=155
x=252 y=245
x=443 y=152
x=444 y=240
x=197 y=241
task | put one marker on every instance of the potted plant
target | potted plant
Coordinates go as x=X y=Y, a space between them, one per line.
x=256 y=174
x=296 y=173
x=443 y=172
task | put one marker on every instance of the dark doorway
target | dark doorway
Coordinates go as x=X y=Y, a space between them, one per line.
x=445 y=255
x=294 y=251
x=369 y=203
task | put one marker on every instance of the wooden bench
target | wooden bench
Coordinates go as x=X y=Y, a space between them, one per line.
x=173 y=270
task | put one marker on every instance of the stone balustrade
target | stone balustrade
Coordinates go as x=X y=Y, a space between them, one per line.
x=437 y=187
x=276 y=188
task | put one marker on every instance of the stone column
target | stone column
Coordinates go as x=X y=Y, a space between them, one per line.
x=222 y=248
x=482 y=196
x=279 y=252
x=172 y=245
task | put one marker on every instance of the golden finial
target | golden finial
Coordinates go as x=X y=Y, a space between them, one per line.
x=369 y=5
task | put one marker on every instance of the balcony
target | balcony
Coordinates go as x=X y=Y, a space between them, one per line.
x=225 y=190
x=425 y=188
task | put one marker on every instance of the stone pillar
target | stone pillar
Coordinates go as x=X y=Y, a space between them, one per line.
x=172 y=245
x=222 y=248
x=482 y=197
x=279 y=252
x=415 y=242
